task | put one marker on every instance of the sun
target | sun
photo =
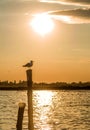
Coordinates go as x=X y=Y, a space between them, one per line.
x=42 y=24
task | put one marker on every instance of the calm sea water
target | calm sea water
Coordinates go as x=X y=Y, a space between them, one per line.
x=52 y=110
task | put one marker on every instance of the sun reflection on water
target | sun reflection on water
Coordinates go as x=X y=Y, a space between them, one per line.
x=44 y=98
x=42 y=109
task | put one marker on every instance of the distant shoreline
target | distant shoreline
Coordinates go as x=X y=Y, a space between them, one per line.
x=13 y=88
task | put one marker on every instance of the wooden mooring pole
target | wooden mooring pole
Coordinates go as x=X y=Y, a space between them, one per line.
x=20 y=116
x=30 y=99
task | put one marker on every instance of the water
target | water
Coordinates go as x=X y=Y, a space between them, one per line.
x=52 y=110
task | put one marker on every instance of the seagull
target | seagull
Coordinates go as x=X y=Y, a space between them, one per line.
x=30 y=64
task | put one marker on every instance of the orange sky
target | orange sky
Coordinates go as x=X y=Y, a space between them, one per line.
x=62 y=55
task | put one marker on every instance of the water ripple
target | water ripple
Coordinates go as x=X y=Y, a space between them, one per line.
x=52 y=110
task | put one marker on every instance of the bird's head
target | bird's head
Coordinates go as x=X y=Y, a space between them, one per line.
x=32 y=62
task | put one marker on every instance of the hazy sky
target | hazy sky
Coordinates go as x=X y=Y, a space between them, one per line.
x=62 y=55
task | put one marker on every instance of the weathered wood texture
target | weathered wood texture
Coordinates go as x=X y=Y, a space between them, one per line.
x=30 y=99
x=20 y=116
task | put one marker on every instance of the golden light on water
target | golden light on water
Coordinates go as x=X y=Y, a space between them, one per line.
x=44 y=97
x=42 y=24
x=43 y=102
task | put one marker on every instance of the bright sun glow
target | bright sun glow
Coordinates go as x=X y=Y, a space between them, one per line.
x=42 y=24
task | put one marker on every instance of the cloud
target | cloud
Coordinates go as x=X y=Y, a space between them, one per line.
x=16 y=11
x=77 y=2
x=24 y=8
x=75 y=16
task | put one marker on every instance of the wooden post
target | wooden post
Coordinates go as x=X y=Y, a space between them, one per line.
x=20 y=116
x=30 y=102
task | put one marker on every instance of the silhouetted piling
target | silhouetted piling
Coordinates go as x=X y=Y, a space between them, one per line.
x=20 y=116
x=30 y=102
